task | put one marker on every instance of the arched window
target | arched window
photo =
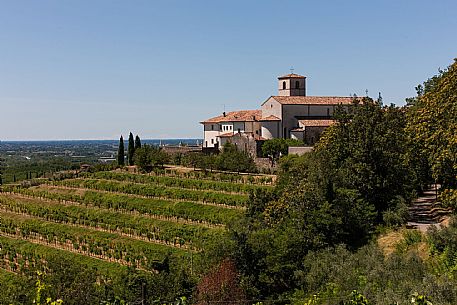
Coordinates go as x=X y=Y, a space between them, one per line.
x=297 y=84
x=283 y=85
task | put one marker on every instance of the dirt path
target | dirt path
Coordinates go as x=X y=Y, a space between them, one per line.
x=427 y=211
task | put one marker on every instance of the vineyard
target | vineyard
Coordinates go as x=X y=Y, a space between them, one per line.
x=117 y=220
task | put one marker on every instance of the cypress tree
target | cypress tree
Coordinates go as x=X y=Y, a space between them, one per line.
x=120 y=152
x=131 y=149
x=137 y=142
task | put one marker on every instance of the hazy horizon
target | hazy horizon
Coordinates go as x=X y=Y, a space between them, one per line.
x=94 y=140
x=94 y=69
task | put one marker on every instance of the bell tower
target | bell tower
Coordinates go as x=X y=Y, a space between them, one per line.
x=292 y=85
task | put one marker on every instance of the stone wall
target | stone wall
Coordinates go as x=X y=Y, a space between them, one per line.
x=300 y=150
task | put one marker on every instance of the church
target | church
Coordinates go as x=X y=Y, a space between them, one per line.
x=290 y=114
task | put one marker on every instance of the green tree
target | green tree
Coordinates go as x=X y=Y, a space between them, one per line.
x=159 y=157
x=276 y=148
x=131 y=150
x=232 y=159
x=147 y=156
x=273 y=149
x=120 y=153
x=432 y=125
x=137 y=142
x=144 y=157
x=367 y=150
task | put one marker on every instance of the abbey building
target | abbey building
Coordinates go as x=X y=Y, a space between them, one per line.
x=290 y=114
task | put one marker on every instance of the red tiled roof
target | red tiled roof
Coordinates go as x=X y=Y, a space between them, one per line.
x=237 y=116
x=316 y=123
x=291 y=75
x=313 y=100
x=270 y=118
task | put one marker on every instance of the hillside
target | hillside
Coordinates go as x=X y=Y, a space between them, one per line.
x=113 y=221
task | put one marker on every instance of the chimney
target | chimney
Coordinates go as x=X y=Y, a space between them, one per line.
x=223 y=113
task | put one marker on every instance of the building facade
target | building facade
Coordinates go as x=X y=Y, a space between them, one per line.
x=290 y=114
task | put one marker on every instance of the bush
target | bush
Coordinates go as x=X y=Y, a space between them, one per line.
x=147 y=157
x=397 y=214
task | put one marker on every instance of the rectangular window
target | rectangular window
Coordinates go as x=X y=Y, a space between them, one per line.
x=212 y=141
x=212 y=127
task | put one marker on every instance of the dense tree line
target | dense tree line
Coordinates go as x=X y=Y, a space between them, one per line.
x=432 y=127
x=230 y=159
x=364 y=172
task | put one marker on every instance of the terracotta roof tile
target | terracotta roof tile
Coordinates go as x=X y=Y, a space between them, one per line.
x=237 y=116
x=316 y=123
x=270 y=118
x=291 y=75
x=313 y=100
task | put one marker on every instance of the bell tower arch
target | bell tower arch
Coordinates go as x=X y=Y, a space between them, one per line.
x=292 y=85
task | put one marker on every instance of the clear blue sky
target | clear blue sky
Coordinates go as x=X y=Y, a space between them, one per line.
x=97 y=69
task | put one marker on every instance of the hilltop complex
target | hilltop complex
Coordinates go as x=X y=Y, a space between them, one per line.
x=290 y=114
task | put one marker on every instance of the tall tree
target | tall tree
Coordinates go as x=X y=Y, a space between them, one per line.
x=367 y=149
x=137 y=142
x=131 y=150
x=120 y=152
x=432 y=125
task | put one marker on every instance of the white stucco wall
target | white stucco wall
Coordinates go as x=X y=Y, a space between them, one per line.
x=271 y=107
x=210 y=136
x=227 y=127
x=271 y=129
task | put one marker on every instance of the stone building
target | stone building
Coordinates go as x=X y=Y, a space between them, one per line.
x=290 y=114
